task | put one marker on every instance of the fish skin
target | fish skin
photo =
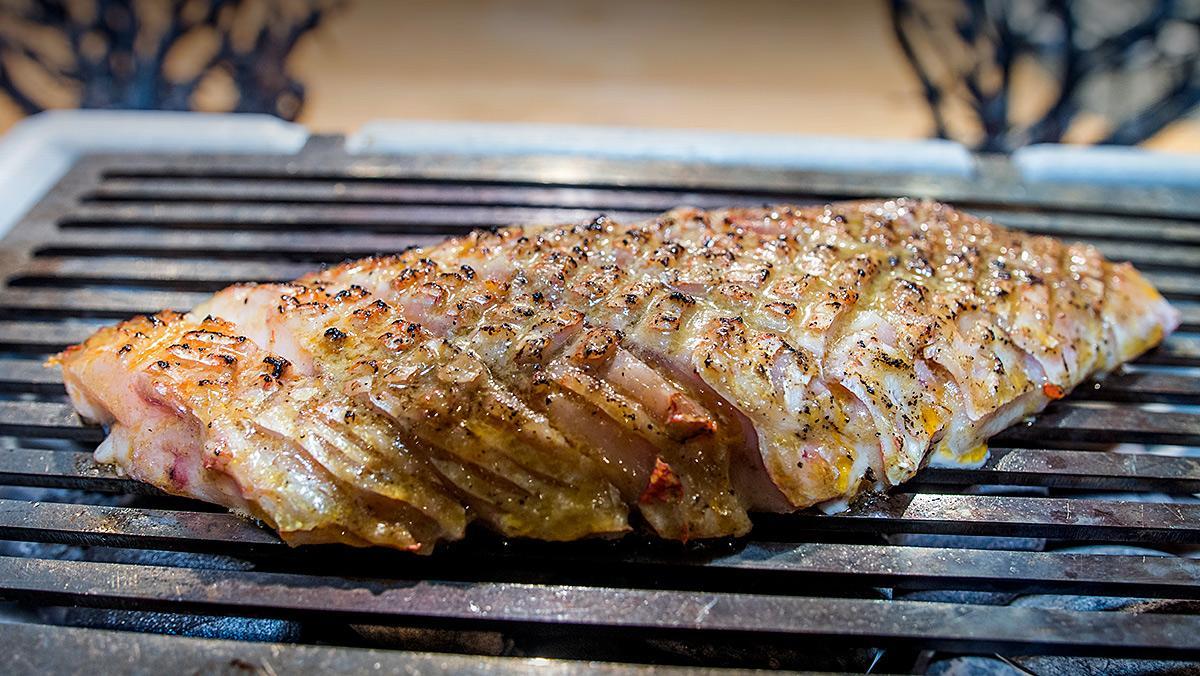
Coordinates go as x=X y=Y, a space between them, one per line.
x=555 y=381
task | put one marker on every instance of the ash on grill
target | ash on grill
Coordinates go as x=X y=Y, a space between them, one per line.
x=1075 y=543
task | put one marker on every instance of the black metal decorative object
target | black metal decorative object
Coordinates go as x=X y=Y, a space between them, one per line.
x=1002 y=74
x=228 y=55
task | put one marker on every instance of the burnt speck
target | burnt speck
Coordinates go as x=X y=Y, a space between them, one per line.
x=333 y=333
x=277 y=364
x=682 y=298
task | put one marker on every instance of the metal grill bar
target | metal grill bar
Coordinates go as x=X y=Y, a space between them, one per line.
x=51 y=420
x=320 y=247
x=1077 y=469
x=42 y=337
x=39 y=649
x=573 y=173
x=1142 y=386
x=64 y=469
x=410 y=219
x=185 y=274
x=347 y=190
x=944 y=625
x=26 y=375
x=116 y=304
x=941 y=568
x=127 y=527
x=1175 y=285
x=862 y=565
x=1088 y=470
x=1176 y=350
x=1071 y=422
x=1161 y=256
x=1069 y=518
x=349 y=193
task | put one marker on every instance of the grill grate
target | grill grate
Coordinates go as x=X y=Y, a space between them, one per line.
x=121 y=235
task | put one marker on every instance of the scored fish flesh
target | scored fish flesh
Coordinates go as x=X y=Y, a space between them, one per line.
x=556 y=382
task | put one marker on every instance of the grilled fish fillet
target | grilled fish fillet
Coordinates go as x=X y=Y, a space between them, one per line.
x=554 y=381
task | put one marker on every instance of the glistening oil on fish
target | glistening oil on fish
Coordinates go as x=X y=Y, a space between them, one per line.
x=562 y=382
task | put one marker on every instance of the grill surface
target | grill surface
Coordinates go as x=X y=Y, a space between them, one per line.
x=891 y=580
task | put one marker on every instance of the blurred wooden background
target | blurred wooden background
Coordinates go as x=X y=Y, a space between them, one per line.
x=751 y=65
